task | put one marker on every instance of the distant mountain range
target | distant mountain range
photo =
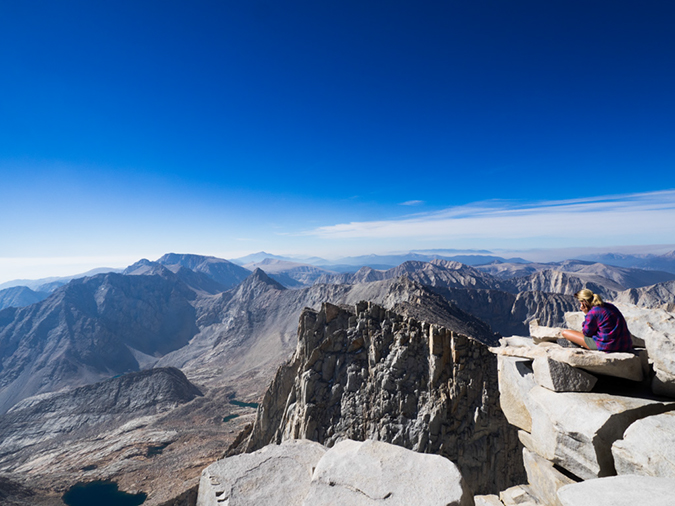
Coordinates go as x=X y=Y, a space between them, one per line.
x=91 y=329
x=52 y=283
x=114 y=323
x=664 y=262
x=189 y=311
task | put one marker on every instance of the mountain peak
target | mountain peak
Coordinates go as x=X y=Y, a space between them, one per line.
x=259 y=276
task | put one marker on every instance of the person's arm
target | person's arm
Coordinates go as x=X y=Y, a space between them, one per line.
x=590 y=327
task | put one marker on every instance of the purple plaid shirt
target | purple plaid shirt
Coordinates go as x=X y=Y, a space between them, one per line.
x=607 y=326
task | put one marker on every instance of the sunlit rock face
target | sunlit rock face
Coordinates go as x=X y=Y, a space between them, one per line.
x=369 y=373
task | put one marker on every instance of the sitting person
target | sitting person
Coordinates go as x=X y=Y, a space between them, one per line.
x=605 y=327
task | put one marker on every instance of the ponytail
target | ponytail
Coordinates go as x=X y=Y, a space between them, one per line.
x=592 y=298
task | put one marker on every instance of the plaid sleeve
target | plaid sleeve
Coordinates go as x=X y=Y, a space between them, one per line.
x=590 y=327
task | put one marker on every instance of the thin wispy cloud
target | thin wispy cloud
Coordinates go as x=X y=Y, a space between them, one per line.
x=633 y=217
x=412 y=203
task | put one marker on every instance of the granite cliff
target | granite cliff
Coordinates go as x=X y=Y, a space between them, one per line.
x=369 y=373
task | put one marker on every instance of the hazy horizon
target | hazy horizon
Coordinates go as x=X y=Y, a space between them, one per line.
x=41 y=268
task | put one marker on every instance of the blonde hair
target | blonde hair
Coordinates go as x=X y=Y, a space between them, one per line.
x=592 y=298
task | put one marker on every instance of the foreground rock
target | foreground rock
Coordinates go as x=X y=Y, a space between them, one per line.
x=543 y=478
x=372 y=472
x=273 y=475
x=647 y=447
x=300 y=472
x=576 y=430
x=656 y=327
x=561 y=377
x=573 y=430
x=619 y=491
x=373 y=374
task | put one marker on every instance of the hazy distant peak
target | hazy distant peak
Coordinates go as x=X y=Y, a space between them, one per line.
x=257 y=258
x=189 y=260
x=448 y=264
x=259 y=276
x=145 y=267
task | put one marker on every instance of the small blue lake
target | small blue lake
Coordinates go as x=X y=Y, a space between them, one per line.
x=101 y=493
x=244 y=404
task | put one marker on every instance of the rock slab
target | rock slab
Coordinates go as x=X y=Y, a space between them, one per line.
x=372 y=472
x=577 y=430
x=274 y=475
x=543 y=478
x=619 y=365
x=561 y=377
x=516 y=379
x=647 y=447
x=620 y=491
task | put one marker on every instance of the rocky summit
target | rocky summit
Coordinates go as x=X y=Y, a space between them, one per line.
x=593 y=427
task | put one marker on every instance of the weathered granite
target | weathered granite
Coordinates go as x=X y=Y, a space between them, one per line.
x=647 y=447
x=541 y=333
x=516 y=379
x=575 y=320
x=561 y=377
x=576 y=430
x=624 y=490
x=657 y=328
x=487 y=500
x=620 y=365
x=276 y=474
x=516 y=341
x=543 y=478
x=372 y=472
x=370 y=373
x=520 y=495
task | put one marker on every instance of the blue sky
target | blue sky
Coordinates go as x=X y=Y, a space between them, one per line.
x=130 y=129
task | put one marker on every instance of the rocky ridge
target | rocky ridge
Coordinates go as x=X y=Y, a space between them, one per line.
x=91 y=329
x=370 y=373
x=87 y=410
x=661 y=295
x=109 y=430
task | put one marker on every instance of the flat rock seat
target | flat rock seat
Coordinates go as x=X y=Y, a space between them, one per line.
x=620 y=365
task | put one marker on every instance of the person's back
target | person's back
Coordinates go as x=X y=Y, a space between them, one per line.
x=604 y=329
x=608 y=328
